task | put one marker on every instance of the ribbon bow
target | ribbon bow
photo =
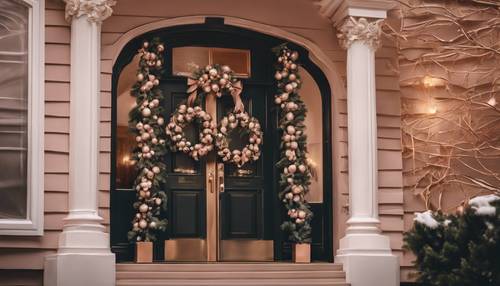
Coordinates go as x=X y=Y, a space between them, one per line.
x=235 y=93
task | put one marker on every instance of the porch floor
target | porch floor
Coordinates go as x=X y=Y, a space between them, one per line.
x=225 y=274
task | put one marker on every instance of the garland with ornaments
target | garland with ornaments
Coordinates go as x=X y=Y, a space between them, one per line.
x=146 y=122
x=251 y=127
x=183 y=116
x=295 y=172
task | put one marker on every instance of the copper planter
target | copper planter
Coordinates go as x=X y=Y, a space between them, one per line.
x=301 y=253
x=144 y=252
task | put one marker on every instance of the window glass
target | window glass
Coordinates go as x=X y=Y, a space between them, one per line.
x=311 y=96
x=186 y=59
x=125 y=142
x=13 y=109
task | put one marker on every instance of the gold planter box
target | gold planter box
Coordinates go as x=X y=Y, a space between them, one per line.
x=301 y=253
x=144 y=252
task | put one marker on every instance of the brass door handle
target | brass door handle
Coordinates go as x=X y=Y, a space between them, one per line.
x=220 y=177
x=210 y=182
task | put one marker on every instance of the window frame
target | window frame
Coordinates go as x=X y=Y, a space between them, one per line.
x=33 y=223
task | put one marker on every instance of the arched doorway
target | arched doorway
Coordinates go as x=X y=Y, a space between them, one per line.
x=249 y=211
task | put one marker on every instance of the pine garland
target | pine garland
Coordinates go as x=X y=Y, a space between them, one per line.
x=146 y=121
x=295 y=176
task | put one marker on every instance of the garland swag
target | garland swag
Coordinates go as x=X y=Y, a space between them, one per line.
x=146 y=122
x=295 y=172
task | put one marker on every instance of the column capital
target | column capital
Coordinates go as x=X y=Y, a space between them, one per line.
x=95 y=10
x=360 y=29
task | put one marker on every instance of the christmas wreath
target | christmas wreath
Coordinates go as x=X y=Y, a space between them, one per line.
x=146 y=123
x=251 y=127
x=215 y=80
x=295 y=171
x=183 y=116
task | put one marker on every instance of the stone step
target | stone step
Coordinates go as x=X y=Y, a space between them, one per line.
x=231 y=275
x=230 y=282
x=226 y=267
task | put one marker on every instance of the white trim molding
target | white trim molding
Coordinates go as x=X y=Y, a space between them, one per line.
x=33 y=224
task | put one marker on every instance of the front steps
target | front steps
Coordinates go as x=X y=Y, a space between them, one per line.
x=229 y=274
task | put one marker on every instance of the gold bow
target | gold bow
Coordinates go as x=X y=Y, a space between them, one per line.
x=235 y=93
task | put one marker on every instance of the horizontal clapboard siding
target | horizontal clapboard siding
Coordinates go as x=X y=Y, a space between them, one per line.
x=302 y=19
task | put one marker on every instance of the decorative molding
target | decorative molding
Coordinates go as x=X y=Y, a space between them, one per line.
x=95 y=10
x=338 y=10
x=360 y=29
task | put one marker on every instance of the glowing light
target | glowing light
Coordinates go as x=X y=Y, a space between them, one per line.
x=126 y=160
x=432 y=109
x=429 y=81
x=492 y=101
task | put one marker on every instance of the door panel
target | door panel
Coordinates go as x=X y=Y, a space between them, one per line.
x=188 y=208
x=246 y=203
x=241 y=214
x=185 y=189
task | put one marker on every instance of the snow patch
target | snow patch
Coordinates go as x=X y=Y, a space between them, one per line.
x=426 y=219
x=482 y=205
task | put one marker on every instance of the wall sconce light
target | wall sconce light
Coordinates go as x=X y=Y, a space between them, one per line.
x=432 y=109
x=492 y=101
x=429 y=81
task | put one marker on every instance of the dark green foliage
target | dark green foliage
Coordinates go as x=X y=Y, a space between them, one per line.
x=299 y=230
x=152 y=196
x=461 y=252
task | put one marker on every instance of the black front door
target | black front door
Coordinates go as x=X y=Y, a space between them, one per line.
x=216 y=211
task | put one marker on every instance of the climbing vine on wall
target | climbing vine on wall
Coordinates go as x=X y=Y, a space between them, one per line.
x=450 y=83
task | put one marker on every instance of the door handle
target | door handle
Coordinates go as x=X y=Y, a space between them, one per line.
x=211 y=182
x=220 y=177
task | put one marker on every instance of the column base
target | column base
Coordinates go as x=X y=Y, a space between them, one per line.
x=83 y=233
x=65 y=269
x=368 y=260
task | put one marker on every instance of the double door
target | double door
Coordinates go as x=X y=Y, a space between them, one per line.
x=217 y=211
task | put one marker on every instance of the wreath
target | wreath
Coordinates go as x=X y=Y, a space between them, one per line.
x=251 y=126
x=183 y=116
x=215 y=80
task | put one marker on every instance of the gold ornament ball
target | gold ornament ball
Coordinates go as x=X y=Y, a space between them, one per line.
x=146 y=112
x=143 y=224
x=143 y=208
x=156 y=169
x=302 y=168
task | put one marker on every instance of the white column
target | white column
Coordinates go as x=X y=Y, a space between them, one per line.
x=84 y=257
x=364 y=251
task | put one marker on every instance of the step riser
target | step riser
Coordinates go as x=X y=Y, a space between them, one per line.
x=230 y=274
x=230 y=283
x=226 y=267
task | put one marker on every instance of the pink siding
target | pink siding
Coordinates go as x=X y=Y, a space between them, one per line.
x=302 y=18
x=29 y=252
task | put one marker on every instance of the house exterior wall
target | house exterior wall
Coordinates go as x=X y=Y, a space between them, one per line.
x=301 y=18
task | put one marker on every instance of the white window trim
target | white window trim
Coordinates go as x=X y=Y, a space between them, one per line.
x=33 y=224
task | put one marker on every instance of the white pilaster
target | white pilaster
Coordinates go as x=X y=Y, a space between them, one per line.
x=84 y=257
x=364 y=251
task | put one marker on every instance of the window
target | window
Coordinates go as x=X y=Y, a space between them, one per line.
x=21 y=117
